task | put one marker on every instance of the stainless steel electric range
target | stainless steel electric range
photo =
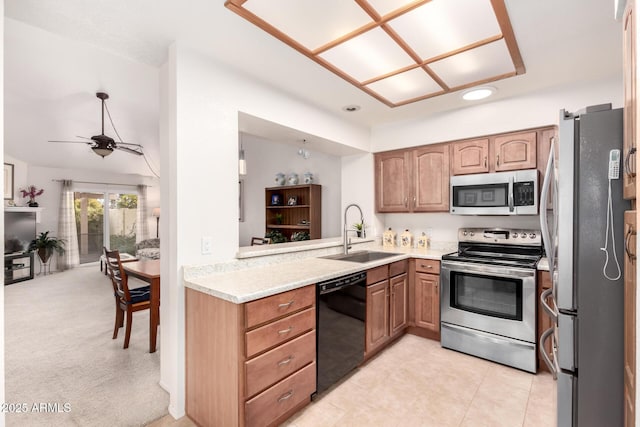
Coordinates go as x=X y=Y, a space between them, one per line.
x=488 y=298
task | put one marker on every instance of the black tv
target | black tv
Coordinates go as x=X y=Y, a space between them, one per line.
x=19 y=231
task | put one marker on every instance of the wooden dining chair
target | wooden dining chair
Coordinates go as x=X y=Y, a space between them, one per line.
x=127 y=300
x=260 y=241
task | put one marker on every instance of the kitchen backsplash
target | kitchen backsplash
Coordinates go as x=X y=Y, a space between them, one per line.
x=443 y=227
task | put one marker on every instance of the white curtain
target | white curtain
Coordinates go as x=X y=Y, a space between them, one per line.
x=67 y=229
x=142 y=232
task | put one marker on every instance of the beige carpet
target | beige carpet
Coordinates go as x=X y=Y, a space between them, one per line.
x=59 y=350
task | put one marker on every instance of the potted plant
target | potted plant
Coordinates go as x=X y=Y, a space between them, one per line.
x=45 y=245
x=358 y=226
x=276 y=236
x=278 y=218
x=32 y=192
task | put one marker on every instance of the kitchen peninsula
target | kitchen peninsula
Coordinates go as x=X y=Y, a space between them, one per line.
x=251 y=326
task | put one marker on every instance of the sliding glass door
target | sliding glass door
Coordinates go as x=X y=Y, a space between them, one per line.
x=122 y=222
x=105 y=219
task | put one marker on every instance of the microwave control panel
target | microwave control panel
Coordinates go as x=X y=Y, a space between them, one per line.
x=523 y=193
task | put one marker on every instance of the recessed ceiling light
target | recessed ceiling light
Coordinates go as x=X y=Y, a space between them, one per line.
x=351 y=108
x=478 y=93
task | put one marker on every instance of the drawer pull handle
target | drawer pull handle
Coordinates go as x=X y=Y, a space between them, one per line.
x=286 y=396
x=285 y=361
x=285 y=305
x=286 y=331
x=426 y=266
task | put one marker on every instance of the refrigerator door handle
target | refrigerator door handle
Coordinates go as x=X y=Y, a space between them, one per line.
x=551 y=364
x=544 y=201
x=551 y=312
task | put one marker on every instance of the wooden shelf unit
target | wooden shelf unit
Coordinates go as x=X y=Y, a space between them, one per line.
x=308 y=208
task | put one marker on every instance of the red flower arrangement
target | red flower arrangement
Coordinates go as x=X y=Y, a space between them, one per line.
x=31 y=192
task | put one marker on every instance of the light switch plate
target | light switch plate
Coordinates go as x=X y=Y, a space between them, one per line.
x=207 y=243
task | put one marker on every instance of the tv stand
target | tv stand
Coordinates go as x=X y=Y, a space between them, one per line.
x=18 y=267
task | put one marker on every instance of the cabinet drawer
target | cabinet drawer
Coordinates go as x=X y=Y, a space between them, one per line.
x=266 y=407
x=397 y=267
x=266 y=309
x=428 y=266
x=377 y=274
x=280 y=362
x=280 y=331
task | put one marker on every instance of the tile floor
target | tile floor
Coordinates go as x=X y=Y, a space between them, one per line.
x=415 y=382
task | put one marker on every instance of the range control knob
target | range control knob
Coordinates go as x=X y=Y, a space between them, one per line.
x=472 y=234
x=515 y=235
x=464 y=233
x=532 y=235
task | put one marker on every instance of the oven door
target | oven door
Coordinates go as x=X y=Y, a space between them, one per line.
x=495 y=299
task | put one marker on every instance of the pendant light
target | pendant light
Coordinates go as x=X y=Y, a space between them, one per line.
x=242 y=163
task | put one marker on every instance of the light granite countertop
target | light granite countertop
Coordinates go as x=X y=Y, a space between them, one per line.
x=543 y=264
x=248 y=284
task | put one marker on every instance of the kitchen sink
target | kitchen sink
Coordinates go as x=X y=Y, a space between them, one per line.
x=361 y=256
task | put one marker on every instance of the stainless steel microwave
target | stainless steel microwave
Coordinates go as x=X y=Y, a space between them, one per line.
x=500 y=193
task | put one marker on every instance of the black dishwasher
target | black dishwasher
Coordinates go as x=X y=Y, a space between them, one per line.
x=340 y=309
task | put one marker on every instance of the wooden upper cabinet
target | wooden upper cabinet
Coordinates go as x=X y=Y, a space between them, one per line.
x=431 y=179
x=514 y=151
x=470 y=156
x=629 y=130
x=392 y=181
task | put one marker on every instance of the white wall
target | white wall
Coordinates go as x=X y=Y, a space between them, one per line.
x=265 y=159
x=202 y=155
x=504 y=115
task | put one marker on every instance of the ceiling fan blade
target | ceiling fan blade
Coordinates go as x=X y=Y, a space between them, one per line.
x=128 y=143
x=129 y=150
x=83 y=137
x=73 y=142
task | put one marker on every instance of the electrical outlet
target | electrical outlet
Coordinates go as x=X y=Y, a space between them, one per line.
x=207 y=243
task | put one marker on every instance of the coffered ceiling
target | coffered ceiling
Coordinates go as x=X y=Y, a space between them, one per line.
x=398 y=52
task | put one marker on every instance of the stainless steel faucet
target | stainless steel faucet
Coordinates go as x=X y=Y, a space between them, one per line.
x=346 y=243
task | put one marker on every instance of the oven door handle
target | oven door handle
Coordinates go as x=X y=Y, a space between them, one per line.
x=499 y=271
x=551 y=364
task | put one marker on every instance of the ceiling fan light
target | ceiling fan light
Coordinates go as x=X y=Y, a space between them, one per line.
x=102 y=152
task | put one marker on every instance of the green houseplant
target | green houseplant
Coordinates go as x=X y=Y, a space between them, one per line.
x=358 y=226
x=45 y=245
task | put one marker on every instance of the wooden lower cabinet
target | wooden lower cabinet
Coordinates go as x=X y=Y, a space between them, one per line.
x=250 y=364
x=630 y=285
x=387 y=310
x=427 y=301
x=544 y=321
x=377 y=317
x=398 y=312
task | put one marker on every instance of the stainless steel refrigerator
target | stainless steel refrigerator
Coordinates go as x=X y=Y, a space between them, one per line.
x=583 y=235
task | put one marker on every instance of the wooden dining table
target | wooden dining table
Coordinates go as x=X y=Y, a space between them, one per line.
x=148 y=271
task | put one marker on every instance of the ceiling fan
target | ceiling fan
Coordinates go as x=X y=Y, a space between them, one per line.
x=104 y=145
